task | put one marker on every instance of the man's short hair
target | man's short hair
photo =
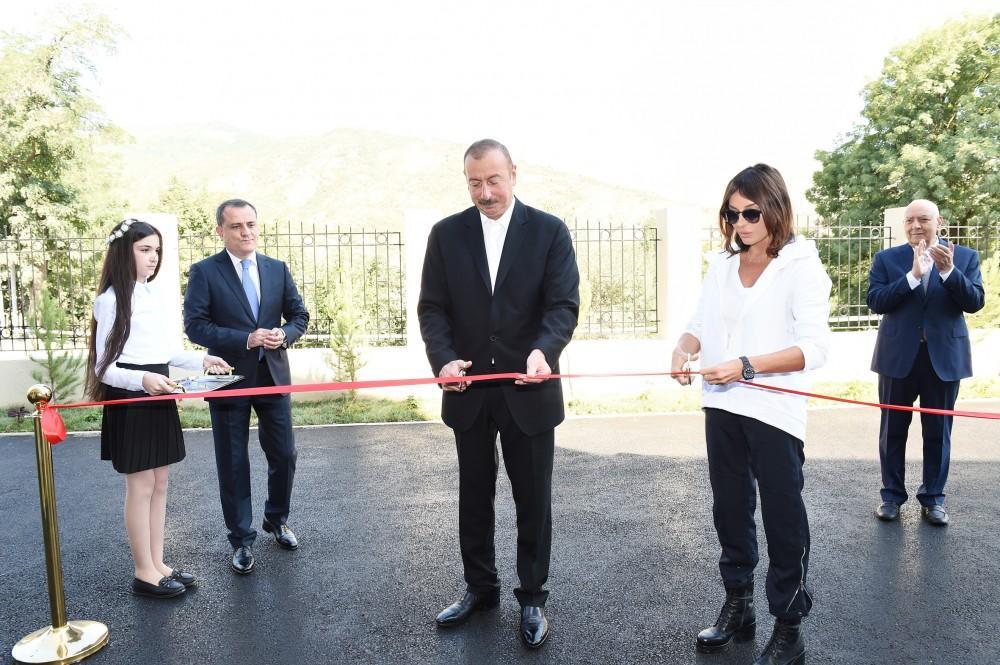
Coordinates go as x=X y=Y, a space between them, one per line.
x=483 y=146
x=231 y=203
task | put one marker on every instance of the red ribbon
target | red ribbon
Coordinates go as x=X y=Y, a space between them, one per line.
x=55 y=430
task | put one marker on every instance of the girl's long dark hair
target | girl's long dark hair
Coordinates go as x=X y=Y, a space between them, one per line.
x=118 y=273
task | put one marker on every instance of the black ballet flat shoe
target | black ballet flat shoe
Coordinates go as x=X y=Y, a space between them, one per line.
x=168 y=587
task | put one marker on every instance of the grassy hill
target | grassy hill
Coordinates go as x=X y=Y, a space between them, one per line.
x=351 y=177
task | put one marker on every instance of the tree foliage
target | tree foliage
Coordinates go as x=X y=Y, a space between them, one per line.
x=50 y=129
x=930 y=129
x=194 y=209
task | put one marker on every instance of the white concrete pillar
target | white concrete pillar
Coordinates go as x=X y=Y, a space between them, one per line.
x=168 y=279
x=681 y=230
x=892 y=220
x=417 y=225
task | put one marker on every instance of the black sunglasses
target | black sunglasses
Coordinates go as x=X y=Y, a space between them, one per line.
x=752 y=215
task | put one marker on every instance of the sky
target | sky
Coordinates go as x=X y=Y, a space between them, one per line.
x=669 y=97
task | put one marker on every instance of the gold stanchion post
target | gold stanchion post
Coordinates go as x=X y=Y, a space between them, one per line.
x=64 y=641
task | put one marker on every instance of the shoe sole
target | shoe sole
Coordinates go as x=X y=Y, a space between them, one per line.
x=146 y=594
x=744 y=634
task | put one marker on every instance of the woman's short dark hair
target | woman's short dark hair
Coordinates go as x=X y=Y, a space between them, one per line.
x=763 y=185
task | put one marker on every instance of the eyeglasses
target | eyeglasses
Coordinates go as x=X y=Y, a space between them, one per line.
x=752 y=215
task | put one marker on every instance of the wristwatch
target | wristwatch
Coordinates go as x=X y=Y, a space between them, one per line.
x=748 y=371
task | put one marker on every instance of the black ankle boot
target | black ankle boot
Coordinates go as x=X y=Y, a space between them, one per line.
x=736 y=620
x=786 y=646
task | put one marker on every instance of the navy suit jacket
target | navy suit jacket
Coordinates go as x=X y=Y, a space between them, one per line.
x=217 y=314
x=534 y=305
x=938 y=315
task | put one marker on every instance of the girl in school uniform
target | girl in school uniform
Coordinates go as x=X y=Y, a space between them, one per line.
x=132 y=345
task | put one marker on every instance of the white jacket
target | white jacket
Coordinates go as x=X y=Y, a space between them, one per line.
x=788 y=306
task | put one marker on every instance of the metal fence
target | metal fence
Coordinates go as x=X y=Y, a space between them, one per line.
x=65 y=270
x=847 y=251
x=618 y=271
x=356 y=273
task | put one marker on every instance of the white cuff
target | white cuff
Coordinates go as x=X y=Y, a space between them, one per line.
x=913 y=281
x=944 y=275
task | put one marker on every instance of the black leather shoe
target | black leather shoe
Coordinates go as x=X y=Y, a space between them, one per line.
x=786 y=646
x=888 y=511
x=935 y=515
x=458 y=613
x=534 y=626
x=243 y=560
x=737 y=621
x=282 y=535
x=187 y=579
x=168 y=587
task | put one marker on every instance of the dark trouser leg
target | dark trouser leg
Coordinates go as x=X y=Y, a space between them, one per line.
x=231 y=433
x=277 y=440
x=734 y=497
x=777 y=459
x=477 y=479
x=935 y=394
x=528 y=460
x=892 y=432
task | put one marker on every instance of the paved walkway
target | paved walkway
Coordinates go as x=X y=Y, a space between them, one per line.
x=633 y=576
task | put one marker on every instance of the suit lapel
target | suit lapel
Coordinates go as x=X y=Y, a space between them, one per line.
x=516 y=231
x=477 y=244
x=264 y=277
x=229 y=276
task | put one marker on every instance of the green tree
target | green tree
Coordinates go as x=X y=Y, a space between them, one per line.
x=50 y=129
x=62 y=371
x=194 y=209
x=930 y=129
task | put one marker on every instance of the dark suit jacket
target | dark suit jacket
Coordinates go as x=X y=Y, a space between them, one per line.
x=937 y=315
x=217 y=314
x=534 y=306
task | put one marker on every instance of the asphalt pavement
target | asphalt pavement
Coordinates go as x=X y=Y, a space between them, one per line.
x=634 y=559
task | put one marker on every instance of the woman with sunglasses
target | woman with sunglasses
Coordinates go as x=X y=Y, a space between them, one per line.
x=762 y=315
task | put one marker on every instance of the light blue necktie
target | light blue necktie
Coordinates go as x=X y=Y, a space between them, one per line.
x=249 y=289
x=252 y=296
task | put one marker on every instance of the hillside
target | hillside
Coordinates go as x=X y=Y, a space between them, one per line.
x=351 y=177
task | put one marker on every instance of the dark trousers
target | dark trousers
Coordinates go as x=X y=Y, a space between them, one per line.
x=528 y=460
x=935 y=394
x=231 y=431
x=745 y=454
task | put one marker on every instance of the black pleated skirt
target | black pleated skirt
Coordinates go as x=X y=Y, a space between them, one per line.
x=137 y=437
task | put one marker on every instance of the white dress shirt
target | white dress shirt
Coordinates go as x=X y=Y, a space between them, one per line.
x=154 y=337
x=494 y=235
x=254 y=273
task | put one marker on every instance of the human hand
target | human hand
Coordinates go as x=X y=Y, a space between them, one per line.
x=680 y=361
x=921 y=259
x=215 y=365
x=274 y=339
x=453 y=369
x=257 y=338
x=943 y=256
x=157 y=384
x=537 y=369
x=723 y=373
